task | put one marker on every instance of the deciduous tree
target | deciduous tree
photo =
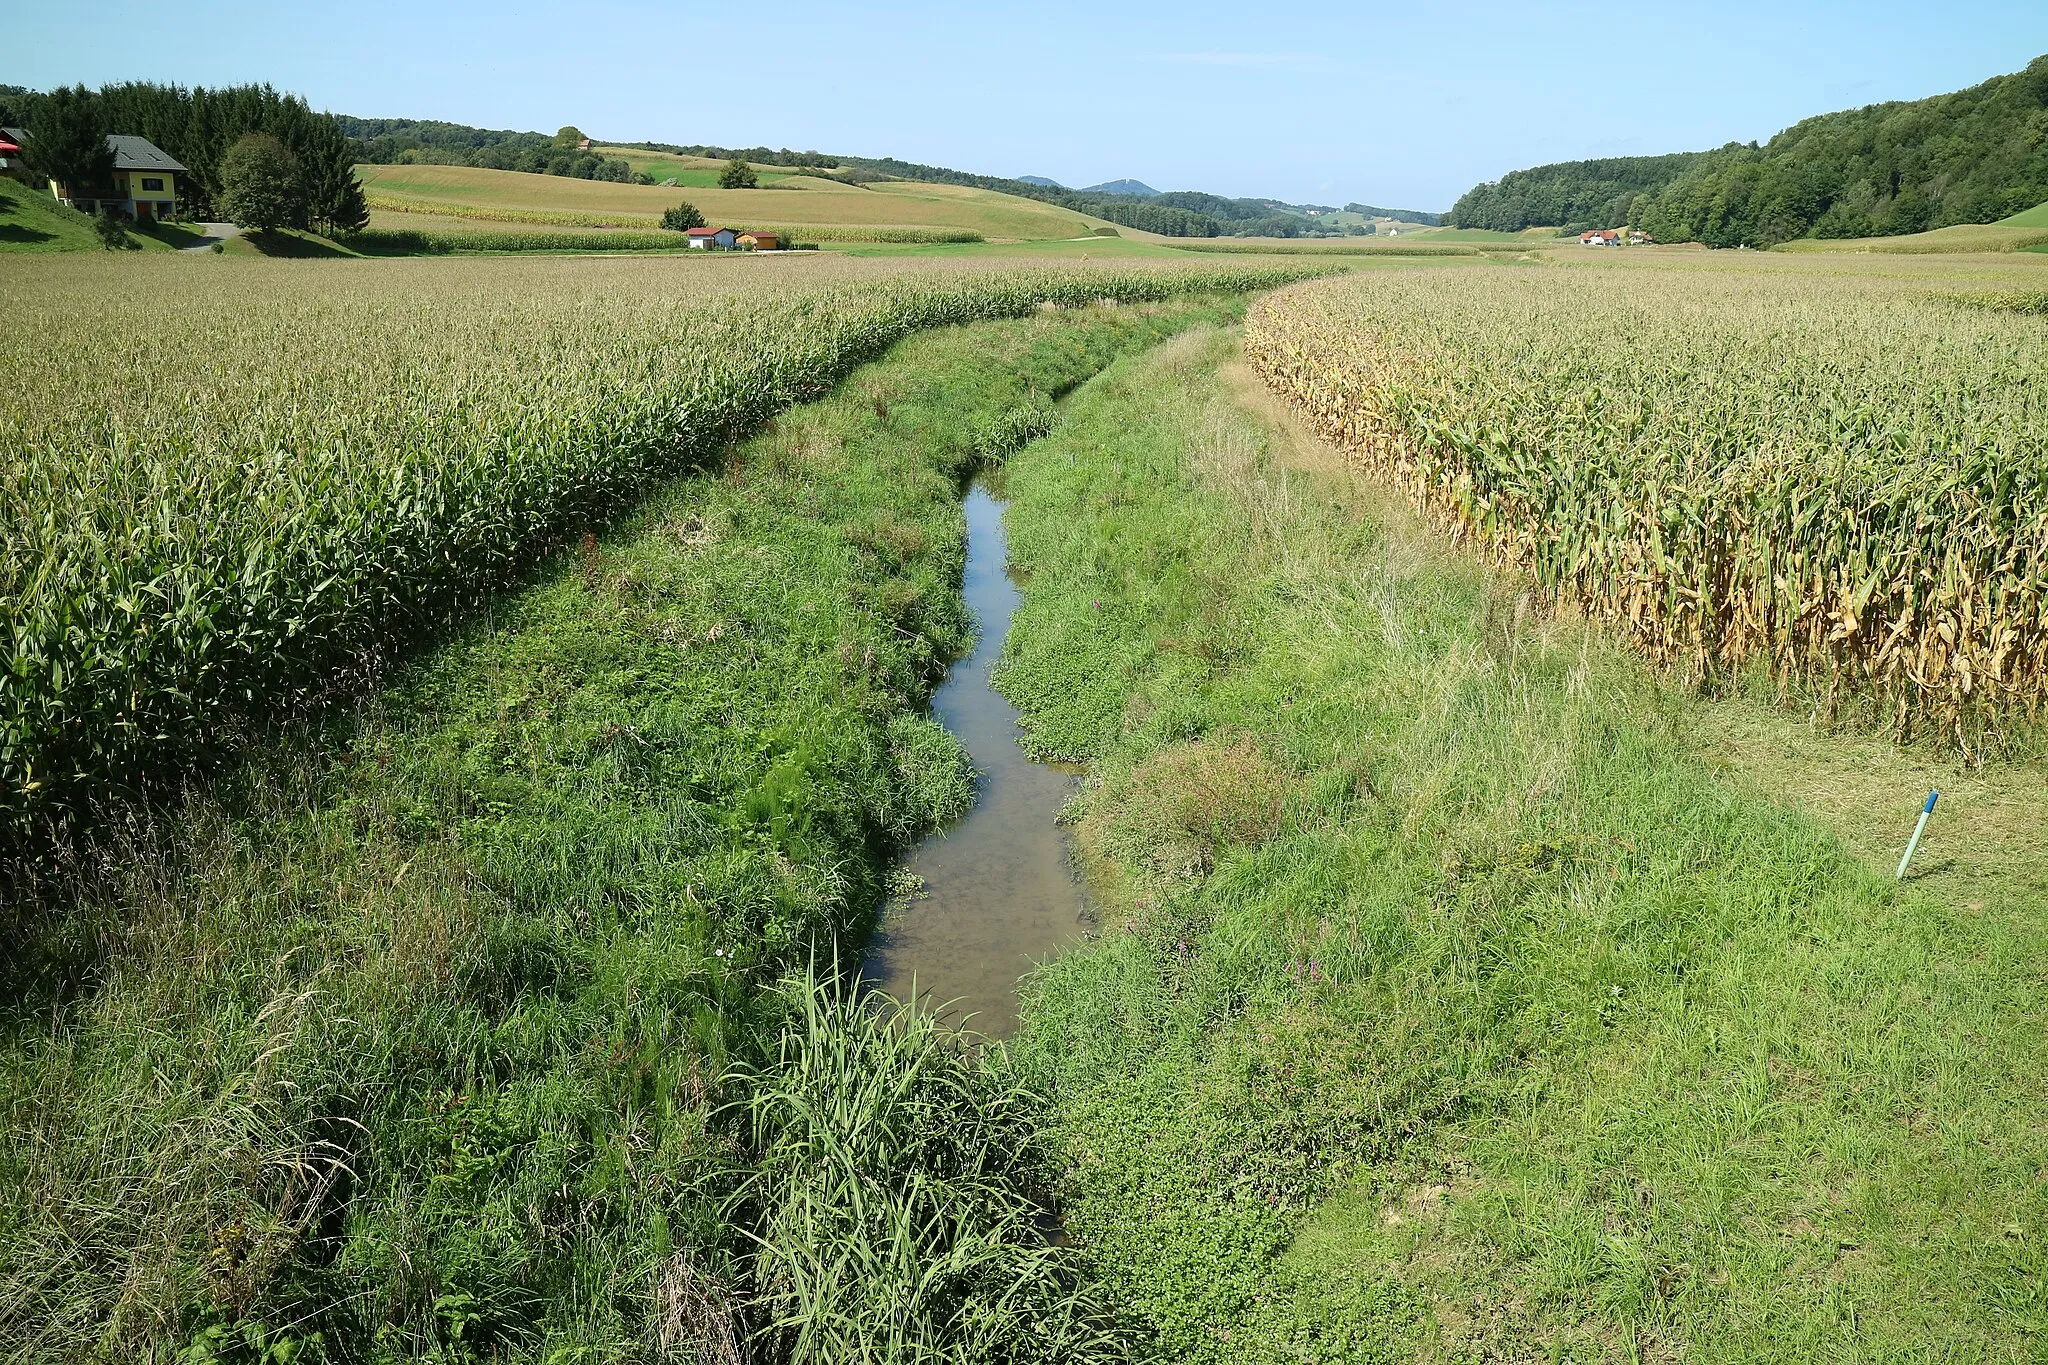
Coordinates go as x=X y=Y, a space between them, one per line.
x=262 y=186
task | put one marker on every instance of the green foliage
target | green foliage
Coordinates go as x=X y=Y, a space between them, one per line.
x=290 y=536
x=112 y=232
x=1974 y=156
x=440 y=242
x=409 y=1030
x=1503 y=1044
x=68 y=141
x=1598 y=193
x=568 y=136
x=262 y=186
x=682 y=217
x=890 y=1178
x=737 y=175
x=1003 y=435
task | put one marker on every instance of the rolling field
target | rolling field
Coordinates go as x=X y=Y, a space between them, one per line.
x=1829 y=473
x=800 y=202
x=2022 y=232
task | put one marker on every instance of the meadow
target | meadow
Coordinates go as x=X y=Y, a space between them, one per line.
x=1825 y=471
x=240 y=510
x=806 y=204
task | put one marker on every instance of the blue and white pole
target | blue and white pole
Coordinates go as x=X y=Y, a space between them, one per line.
x=1918 y=830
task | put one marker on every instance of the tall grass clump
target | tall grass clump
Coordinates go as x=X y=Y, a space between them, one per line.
x=890 y=1192
x=225 y=517
x=1833 y=474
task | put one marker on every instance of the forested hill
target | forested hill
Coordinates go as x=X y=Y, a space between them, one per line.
x=1974 y=156
x=1567 y=193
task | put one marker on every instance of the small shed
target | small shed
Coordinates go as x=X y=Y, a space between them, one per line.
x=760 y=241
x=705 y=238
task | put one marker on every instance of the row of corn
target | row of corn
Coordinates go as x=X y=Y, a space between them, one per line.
x=226 y=488
x=1835 y=471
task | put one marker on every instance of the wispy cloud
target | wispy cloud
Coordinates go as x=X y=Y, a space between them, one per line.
x=1259 y=59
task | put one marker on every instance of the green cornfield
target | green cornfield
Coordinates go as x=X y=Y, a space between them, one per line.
x=1832 y=470
x=229 y=488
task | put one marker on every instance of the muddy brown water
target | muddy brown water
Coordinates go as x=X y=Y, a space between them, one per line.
x=1001 y=893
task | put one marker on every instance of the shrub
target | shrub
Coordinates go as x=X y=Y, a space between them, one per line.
x=683 y=216
x=737 y=175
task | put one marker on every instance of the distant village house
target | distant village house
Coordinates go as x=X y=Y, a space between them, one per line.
x=760 y=241
x=705 y=237
x=1600 y=237
x=144 y=183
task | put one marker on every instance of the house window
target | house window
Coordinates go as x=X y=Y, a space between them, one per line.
x=153 y=182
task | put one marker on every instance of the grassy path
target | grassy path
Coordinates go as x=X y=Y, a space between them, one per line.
x=1464 y=992
x=404 y=1039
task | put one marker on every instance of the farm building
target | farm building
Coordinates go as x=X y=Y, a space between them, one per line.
x=704 y=237
x=1600 y=237
x=10 y=153
x=144 y=184
x=760 y=241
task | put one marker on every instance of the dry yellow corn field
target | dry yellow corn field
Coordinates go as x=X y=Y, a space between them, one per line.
x=225 y=483
x=1835 y=471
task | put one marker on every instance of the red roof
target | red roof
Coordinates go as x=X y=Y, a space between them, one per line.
x=704 y=232
x=7 y=148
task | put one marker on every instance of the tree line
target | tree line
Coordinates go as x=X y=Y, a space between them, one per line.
x=429 y=142
x=1974 y=156
x=314 y=180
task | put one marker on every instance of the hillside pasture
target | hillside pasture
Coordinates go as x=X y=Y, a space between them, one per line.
x=797 y=202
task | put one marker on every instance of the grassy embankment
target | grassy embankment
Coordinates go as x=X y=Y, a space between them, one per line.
x=2024 y=231
x=34 y=222
x=411 y=1031
x=1454 y=999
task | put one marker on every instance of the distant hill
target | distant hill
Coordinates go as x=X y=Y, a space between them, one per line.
x=1975 y=156
x=1126 y=189
x=1040 y=181
x=1402 y=215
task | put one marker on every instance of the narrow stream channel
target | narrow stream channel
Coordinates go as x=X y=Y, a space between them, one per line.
x=1002 y=895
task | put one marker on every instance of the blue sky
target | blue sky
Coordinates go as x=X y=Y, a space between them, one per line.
x=1404 y=106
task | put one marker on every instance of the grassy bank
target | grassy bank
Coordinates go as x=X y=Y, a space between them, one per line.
x=407 y=1037
x=1448 y=1004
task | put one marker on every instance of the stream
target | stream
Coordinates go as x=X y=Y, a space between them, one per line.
x=1001 y=893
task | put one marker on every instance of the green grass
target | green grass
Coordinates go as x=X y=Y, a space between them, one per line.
x=33 y=222
x=1449 y=1003
x=412 y=1030
x=2035 y=217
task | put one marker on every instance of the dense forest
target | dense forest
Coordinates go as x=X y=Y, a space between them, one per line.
x=1567 y=194
x=1974 y=156
x=197 y=126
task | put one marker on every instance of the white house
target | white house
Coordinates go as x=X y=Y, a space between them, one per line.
x=704 y=237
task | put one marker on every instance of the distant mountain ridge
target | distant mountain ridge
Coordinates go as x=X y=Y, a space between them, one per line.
x=1123 y=189
x=1973 y=156
x=1041 y=182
